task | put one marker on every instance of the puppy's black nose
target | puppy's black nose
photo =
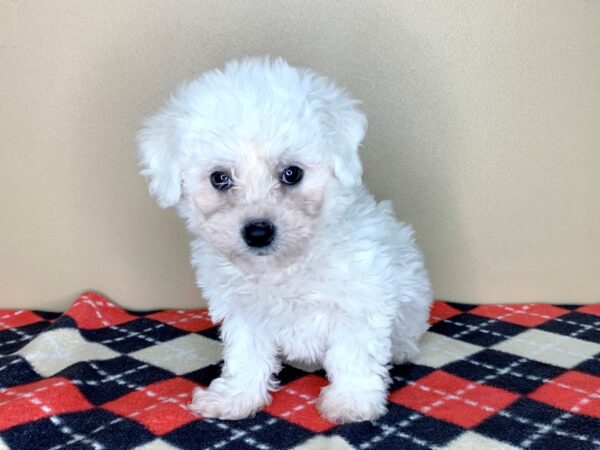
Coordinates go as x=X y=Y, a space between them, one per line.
x=259 y=234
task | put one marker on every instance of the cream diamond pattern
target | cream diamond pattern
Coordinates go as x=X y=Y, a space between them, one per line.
x=52 y=351
x=549 y=348
x=325 y=442
x=474 y=441
x=438 y=350
x=183 y=354
x=157 y=444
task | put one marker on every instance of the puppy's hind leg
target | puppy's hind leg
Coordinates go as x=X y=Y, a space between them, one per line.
x=409 y=327
x=404 y=349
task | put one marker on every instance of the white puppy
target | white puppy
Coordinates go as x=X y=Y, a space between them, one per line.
x=291 y=251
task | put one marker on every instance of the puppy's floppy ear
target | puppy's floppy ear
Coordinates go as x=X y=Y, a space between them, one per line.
x=159 y=150
x=345 y=126
x=349 y=127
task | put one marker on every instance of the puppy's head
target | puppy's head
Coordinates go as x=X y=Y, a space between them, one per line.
x=249 y=154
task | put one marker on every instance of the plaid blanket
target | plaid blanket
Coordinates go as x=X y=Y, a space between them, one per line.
x=493 y=376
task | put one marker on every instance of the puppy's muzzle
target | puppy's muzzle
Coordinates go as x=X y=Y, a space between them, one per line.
x=258 y=234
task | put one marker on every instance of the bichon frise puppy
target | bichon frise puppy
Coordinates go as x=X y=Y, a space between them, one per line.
x=293 y=254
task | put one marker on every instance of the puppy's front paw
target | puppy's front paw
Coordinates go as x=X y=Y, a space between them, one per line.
x=215 y=402
x=343 y=406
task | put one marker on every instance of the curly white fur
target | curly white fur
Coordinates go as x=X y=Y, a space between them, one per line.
x=343 y=284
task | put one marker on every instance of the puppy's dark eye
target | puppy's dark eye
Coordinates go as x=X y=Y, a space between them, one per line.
x=220 y=180
x=291 y=175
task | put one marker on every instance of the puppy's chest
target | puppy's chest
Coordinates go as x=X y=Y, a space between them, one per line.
x=302 y=334
x=298 y=316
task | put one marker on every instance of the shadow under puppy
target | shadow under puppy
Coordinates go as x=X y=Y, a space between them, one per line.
x=291 y=251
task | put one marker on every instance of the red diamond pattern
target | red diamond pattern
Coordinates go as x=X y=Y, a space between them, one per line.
x=295 y=402
x=14 y=319
x=29 y=402
x=453 y=399
x=92 y=311
x=161 y=407
x=441 y=311
x=590 y=309
x=526 y=315
x=192 y=321
x=572 y=391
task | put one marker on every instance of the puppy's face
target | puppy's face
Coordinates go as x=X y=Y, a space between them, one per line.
x=249 y=155
x=262 y=205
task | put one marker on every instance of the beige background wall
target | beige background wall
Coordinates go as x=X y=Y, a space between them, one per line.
x=484 y=130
